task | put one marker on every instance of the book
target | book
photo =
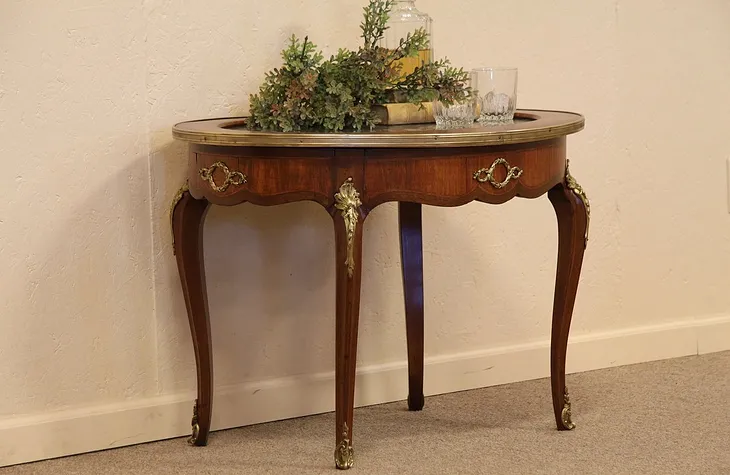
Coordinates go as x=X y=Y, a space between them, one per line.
x=405 y=113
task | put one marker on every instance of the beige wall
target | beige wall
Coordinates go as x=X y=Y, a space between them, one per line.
x=92 y=321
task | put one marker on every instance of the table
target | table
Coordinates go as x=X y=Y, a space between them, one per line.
x=352 y=173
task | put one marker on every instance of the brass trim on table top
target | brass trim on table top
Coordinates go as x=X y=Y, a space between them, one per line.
x=530 y=126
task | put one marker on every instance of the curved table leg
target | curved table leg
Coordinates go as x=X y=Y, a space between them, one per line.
x=573 y=212
x=411 y=250
x=188 y=216
x=348 y=219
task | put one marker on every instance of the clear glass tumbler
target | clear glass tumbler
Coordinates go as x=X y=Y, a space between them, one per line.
x=497 y=92
x=455 y=116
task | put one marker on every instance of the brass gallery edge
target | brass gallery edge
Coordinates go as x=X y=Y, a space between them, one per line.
x=535 y=125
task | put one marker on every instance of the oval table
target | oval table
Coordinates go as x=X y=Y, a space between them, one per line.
x=352 y=173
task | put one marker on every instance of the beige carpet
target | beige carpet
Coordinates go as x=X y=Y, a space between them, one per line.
x=666 y=417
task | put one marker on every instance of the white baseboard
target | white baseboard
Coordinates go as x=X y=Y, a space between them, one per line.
x=29 y=438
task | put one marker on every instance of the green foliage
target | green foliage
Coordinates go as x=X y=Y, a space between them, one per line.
x=374 y=25
x=308 y=93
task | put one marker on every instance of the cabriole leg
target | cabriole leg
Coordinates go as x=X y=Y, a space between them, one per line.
x=573 y=212
x=188 y=215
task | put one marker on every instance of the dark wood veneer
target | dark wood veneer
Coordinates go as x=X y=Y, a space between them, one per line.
x=411 y=176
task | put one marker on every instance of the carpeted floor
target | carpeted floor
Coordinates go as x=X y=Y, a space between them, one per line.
x=666 y=417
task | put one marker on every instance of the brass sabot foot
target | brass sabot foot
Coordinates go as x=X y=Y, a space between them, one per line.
x=567 y=414
x=193 y=440
x=344 y=454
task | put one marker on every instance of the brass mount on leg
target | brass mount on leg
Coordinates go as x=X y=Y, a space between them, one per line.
x=580 y=192
x=347 y=200
x=344 y=454
x=175 y=201
x=567 y=416
x=194 y=423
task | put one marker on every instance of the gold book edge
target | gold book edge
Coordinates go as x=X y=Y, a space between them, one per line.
x=405 y=113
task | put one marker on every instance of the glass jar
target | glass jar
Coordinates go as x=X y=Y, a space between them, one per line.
x=406 y=18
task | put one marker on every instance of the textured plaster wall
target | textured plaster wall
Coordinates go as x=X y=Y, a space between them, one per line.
x=90 y=305
x=76 y=301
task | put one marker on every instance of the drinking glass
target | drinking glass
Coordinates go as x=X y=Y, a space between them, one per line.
x=455 y=116
x=496 y=89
